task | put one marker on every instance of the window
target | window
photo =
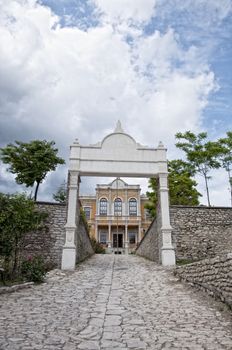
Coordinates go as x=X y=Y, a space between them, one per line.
x=103 y=206
x=132 y=237
x=133 y=207
x=103 y=238
x=87 y=211
x=118 y=207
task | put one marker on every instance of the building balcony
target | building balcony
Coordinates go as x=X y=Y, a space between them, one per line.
x=121 y=220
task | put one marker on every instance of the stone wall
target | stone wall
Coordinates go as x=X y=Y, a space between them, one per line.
x=149 y=245
x=201 y=232
x=211 y=275
x=84 y=248
x=198 y=233
x=49 y=241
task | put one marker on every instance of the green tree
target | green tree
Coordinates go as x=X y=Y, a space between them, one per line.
x=61 y=193
x=201 y=154
x=31 y=161
x=226 y=157
x=18 y=216
x=182 y=188
x=152 y=197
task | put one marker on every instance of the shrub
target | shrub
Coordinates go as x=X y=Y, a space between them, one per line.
x=97 y=247
x=18 y=217
x=34 y=269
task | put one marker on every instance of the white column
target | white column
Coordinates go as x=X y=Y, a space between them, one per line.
x=139 y=232
x=167 y=250
x=139 y=218
x=96 y=231
x=69 y=249
x=126 y=244
x=126 y=239
x=97 y=203
x=109 y=235
x=126 y=202
x=110 y=202
x=97 y=216
x=109 y=242
x=139 y=204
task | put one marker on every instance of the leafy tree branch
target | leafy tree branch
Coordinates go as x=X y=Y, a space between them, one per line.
x=202 y=155
x=31 y=161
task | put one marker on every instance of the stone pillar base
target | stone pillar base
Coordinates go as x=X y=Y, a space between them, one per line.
x=68 y=258
x=109 y=247
x=126 y=247
x=168 y=257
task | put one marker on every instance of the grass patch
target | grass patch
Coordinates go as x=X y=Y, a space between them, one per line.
x=10 y=283
x=182 y=262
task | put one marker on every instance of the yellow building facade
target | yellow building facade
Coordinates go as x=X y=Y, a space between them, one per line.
x=117 y=216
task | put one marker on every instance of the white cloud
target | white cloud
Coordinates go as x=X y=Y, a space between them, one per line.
x=61 y=83
x=219 y=191
x=127 y=10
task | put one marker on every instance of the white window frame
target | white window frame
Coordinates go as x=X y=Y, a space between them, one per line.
x=133 y=200
x=103 y=213
x=117 y=212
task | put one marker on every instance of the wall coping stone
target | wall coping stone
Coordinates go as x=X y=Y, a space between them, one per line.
x=51 y=203
x=199 y=207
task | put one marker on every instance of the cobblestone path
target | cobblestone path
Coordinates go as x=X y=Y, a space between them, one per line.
x=112 y=302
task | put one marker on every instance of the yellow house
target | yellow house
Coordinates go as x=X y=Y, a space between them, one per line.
x=116 y=215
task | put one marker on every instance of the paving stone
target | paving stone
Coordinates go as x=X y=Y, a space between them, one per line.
x=89 y=345
x=111 y=344
x=136 y=344
x=113 y=320
x=112 y=335
x=113 y=302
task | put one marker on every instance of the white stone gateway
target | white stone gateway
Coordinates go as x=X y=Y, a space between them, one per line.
x=117 y=155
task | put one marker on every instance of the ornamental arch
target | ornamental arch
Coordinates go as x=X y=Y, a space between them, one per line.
x=117 y=155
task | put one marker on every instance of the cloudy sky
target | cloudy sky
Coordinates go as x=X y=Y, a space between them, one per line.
x=71 y=68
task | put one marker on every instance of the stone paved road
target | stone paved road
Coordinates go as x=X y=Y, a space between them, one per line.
x=112 y=302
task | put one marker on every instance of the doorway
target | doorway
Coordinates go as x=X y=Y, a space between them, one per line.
x=117 y=240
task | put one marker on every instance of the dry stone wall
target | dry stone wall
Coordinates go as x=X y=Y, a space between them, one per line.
x=49 y=241
x=211 y=275
x=149 y=246
x=201 y=232
x=198 y=233
x=84 y=247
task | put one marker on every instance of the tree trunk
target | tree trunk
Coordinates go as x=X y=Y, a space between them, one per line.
x=230 y=182
x=36 y=190
x=7 y=267
x=207 y=190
